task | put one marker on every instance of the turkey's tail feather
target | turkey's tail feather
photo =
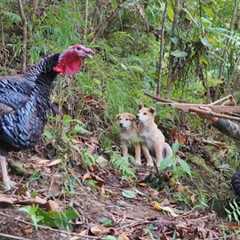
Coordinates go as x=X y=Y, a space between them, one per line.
x=236 y=183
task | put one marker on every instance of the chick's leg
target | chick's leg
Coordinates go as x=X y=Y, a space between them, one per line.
x=8 y=184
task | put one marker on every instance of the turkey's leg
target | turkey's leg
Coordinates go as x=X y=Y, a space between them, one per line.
x=8 y=184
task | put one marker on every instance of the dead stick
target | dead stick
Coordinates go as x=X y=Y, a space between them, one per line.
x=159 y=99
x=190 y=107
x=8 y=236
x=213 y=114
x=221 y=100
x=138 y=223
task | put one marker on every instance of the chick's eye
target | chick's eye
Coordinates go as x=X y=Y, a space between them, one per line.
x=144 y=113
x=78 y=48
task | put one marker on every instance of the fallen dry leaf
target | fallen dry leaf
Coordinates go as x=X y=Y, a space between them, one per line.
x=55 y=185
x=193 y=198
x=35 y=200
x=180 y=188
x=102 y=162
x=86 y=176
x=157 y=206
x=54 y=162
x=99 y=230
x=82 y=233
x=6 y=199
x=53 y=206
x=39 y=161
x=179 y=136
x=27 y=230
x=123 y=236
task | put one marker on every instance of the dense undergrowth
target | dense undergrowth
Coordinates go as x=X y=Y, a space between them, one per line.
x=122 y=69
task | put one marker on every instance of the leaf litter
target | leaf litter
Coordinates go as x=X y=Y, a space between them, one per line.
x=105 y=206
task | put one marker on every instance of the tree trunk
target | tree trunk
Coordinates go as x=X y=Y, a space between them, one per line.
x=161 y=54
x=25 y=33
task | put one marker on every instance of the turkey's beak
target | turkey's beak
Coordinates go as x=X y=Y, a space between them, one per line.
x=90 y=53
x=87 y=52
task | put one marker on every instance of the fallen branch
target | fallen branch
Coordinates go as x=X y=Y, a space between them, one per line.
x=214 y=114
x=8 y=236
x=213 y=110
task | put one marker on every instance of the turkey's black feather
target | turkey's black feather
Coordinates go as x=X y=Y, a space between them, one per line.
x=236 y=183
x=26 y=98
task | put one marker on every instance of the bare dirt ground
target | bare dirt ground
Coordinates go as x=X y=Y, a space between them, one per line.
x=146 y=214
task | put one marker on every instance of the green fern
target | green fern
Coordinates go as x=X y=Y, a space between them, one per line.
x=61 y=220
x=88 y=159
x=122 y=164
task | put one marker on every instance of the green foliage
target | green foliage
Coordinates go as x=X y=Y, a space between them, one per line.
x=124 y=67
x=91 y=183
x=107 y=222
x=70 y=184
x=88 y=159
x=61 y=220
x=129 y=193
x=178 y=166
x=109 y=237
x=122 y=164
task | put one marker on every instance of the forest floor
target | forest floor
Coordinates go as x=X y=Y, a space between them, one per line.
x=107 y=206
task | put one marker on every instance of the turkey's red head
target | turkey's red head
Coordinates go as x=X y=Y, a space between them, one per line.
x=71 y=60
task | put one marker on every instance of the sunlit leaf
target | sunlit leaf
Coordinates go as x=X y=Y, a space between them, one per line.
x=170 y=12
x=179 y=54
x=129 y=193
x=185 y=167
x=205 y=42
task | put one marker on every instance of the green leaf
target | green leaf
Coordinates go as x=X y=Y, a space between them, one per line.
x=114 y=3
x=32 y=211
x=203 y=60
x=88 y=159
x=124 y=67
x=170 y=13
x=136 y=69
x=13 y=17
x=107 y=222
x=66 y=119
x=175 y=147
x=179 y=54
x=61 y=220
x=205 y=42
x=71 y=213
x=185 y=167
x=81 y=130
x=129 y=194
x=165 y=163
x=48 y=135
x=109 y=237
x=122 y=164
